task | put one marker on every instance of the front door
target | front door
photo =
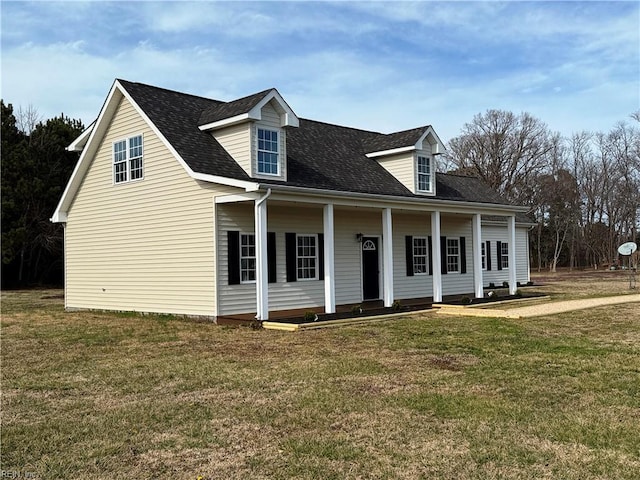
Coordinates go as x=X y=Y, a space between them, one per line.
x=370 y=269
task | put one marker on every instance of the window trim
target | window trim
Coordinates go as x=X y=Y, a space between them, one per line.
x=430 y=175
x=504 y=255
x=277 y=153
x=247 y=257
x=457 y=255
x=127 y=159
x=425 y=256
x=315 y=257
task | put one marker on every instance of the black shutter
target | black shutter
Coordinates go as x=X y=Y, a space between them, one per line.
x=320 y=256
x=271 y=256
x=430 y=255
x=233 y=257
x=463 y=256
x=290 y=254
x=499 y=254
x=488 y=255
x=408 y=243
x=443 y=255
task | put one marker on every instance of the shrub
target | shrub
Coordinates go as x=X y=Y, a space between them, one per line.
x=505 y=284
x=310 y=316
x=518 y=293
x=356 y=309
x=492 y=285
x=396 y=306
x=465 y=300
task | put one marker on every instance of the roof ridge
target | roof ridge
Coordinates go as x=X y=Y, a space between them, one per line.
x=169 y=90
x=341 y=126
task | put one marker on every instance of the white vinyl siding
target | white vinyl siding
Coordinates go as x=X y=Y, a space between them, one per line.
x=146 y=246
x=236 y=140
x=494 y=233
x=402 y=167
x=234 y=299
x=422 y=285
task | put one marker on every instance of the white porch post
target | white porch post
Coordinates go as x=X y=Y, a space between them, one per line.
x=435 y=256
x=476 y=230
x=511 y=234
x=329 y=266
x=262 y=280
x=387 y=251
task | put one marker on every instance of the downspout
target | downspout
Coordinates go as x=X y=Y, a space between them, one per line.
x=262 y=292
x=264 y=198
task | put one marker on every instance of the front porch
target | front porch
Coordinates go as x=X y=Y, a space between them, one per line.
x=369 y=309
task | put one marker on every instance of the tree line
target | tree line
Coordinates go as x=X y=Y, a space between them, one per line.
x=583 y=191
x=35 y=168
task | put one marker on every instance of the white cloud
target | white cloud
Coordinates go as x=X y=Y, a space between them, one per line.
x=381 y=66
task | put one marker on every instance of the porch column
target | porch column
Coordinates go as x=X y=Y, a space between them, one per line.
x=435 y=256
x=262 y=280
x=511 y=235
x=329 y=267
x=387 y=252
x=476 y=231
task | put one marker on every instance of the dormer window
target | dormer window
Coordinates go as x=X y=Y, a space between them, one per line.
x=268 y=161
x=423 y=174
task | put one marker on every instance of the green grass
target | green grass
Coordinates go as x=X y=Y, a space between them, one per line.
x=99 y=395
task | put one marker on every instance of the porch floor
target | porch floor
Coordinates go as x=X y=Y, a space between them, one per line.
x=370 y=308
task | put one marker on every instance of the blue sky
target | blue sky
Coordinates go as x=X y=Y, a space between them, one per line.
x=383 y=66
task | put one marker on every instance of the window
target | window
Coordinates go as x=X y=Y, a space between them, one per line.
x=453 y=255
x=127 y=159
x=420 y=255
x=504 y=254
x=247 y=258
x=484 y=256
x=424 y=174
x=268 y=152
x=306 y=257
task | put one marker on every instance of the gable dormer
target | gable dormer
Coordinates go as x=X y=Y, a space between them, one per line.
x=253 y=131
x=410 y=156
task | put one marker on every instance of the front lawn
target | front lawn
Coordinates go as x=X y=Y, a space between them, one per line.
x=102 y=396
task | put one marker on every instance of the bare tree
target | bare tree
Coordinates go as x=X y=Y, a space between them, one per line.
x=505 y=150
x=27 y=119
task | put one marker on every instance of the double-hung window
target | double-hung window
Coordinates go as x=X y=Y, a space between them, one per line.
x=483 y=247
x=423 y=170
x=453 y=255
x=307 y=257
x=247 y=258
x=128 y=159
x=504 y=254
x=268 y=161
x=420 y=255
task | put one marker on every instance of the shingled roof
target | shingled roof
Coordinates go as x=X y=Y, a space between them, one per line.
x=319 y=155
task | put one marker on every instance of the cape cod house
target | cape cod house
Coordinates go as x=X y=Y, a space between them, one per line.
x=186 y=205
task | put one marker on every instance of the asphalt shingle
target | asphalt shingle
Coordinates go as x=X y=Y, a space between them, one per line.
x=319 y=155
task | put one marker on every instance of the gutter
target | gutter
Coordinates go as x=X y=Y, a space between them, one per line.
x=388 y=198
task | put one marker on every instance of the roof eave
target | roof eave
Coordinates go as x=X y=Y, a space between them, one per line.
x=489 y=208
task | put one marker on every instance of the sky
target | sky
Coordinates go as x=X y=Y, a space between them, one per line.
x=381 y=66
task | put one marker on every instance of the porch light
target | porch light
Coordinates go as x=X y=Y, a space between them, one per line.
x=359 y=237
